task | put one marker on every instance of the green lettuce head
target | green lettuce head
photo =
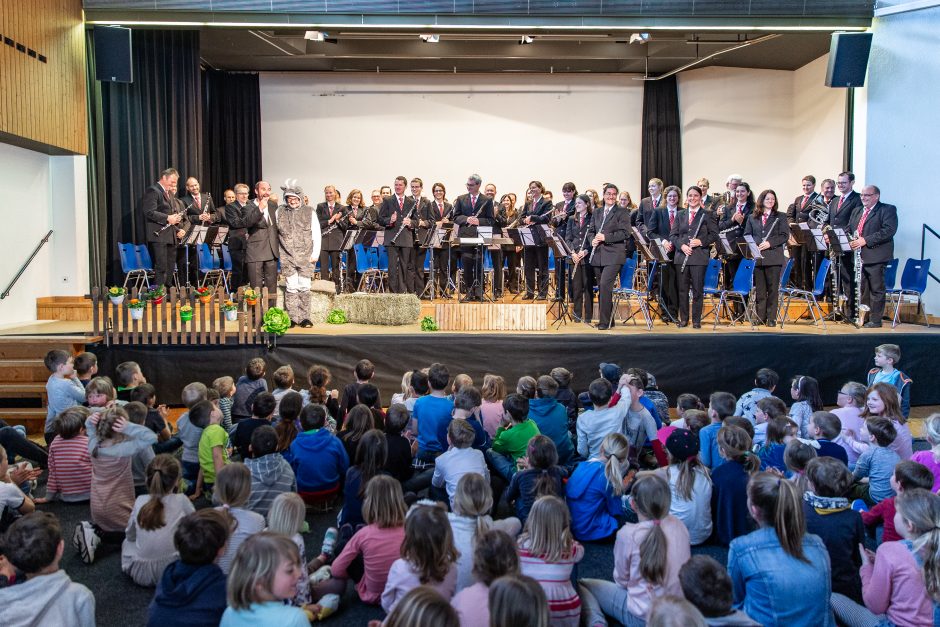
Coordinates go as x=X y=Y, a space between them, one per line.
x=276 y=321
x=337 y=316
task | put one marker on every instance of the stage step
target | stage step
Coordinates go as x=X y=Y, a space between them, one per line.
x=13 y=370
x=33 y=419
x=36 y=346
x=23 y=389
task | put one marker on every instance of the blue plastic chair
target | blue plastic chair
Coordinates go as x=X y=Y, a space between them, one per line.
x=810 y=298
x=784 y=288
x=626 y=292
x=711 y=290
x=913 y=285
x=740 y=290
x=226 y=266
x=131 y=266
x=209 y=266
x=367 y=265
x=891 y=275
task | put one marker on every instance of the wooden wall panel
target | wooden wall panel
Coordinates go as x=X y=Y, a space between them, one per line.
x=43 y=102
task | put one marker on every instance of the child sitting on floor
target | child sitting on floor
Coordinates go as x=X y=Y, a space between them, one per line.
x=248 y=385
x=512 y=437
x=233 y=487
x=69 y=461
x=539 y=475
x=876 y=465
x=457 y=461
x=907 y=476
x=494 y=556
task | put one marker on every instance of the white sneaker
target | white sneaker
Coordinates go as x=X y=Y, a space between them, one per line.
x=87 y=541
x=322 y=574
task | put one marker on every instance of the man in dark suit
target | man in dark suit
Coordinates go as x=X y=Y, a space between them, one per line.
x=262 y=251
x=536 y=211
x=422 y=208
x=607 y=234
x=798 y=212
x=693 y=232
x=332 y=218
x=840 y=213
x=496 y=254
x=163 y=217
x=235 y=216
x=399 y=219
x=199 y=206
x=562 y=212
x=471 y=210
x=647 y=216
x=876 y=223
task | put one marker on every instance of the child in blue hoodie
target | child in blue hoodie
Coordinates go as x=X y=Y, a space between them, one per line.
x=317 y=456
x=595 y=490
x=192 y=589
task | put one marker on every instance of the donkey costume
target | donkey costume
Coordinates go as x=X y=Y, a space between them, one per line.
x=299 y=236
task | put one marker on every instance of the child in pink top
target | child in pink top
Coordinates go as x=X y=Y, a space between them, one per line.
x=882 y=401
x=494 y=555
x=893 y=578
x=428 y=556
x=379 y=544
x=548 y=553
x=637 y=581
x=931 y=458
x=493 y=392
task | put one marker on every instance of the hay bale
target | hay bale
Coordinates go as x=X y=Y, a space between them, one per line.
x=321 y=299
x=325 y=287
x=383 y=309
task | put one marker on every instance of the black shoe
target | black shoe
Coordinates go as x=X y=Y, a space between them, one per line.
x=588 y=322
x=542 y=297
x=497 y=295
x=683 y=324
x=696 y=325
x=529 y=297
x=603 y=327
x=292 y=324
x=306 y=324
x=871 y=325
x=771 y=323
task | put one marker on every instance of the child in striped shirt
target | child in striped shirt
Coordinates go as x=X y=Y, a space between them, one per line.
x=69 y=462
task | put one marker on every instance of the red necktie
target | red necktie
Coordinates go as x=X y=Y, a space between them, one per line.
x=473 y=202
x=740 y=208
x=805 y=200
x=440 y=210
x=672 y=218
x=401 y=203
x=166 y=195
x=841 y=198
x=331 y=210
x=763 y=220
x=582 y=221
x=861 y=223
x=691 y=218
x=198 y=202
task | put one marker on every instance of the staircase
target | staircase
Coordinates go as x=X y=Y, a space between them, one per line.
x=23 y=375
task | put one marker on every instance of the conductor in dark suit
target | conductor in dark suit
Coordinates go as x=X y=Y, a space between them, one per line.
x=235 y=216
x=399 y=219
x=537 y=211
x=159 y=211
x=693 y=232
x=471 y=210
x=607 y=235
x=876 y=223
x=261 y=256
x=768 y=226
x=332 y=217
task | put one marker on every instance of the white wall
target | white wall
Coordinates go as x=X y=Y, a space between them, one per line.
x=903 y=89
x=510 y=130
x=772 y=126
x=41 y=193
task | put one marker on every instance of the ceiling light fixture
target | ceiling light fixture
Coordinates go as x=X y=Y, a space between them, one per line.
x=639 y=38
x=430 y=39
x=526 y=39
x=315 y=35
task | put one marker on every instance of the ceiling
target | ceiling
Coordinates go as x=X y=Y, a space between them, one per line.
x=492 y=51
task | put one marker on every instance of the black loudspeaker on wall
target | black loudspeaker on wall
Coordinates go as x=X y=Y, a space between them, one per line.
x=848 y=59
x=113 y=57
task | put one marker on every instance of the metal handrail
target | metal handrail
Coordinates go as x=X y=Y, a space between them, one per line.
x=25 y=265
x=923 y=243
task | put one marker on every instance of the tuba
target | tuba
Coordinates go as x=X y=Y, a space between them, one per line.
x=818 y=212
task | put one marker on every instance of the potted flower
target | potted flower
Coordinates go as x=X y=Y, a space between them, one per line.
x=116 y=294
x=136 y=307
x=157 y=294
x=186 y=313
x=204 y=294
x=251 y=296
x=230 y=310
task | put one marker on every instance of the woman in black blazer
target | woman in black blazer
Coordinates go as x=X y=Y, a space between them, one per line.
x=770 y=231
x=582 y=279
x=444 y=260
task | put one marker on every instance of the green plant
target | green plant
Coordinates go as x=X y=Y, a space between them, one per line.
x=229 y=305
x=276 y=321
x=157 y=292
x=337 y=316
x=116 y=291
x=428 y=324
x=136 y=303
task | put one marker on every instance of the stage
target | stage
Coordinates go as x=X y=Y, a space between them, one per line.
x=683 y=360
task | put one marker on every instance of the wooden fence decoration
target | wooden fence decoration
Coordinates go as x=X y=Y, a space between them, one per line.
x=162 y=325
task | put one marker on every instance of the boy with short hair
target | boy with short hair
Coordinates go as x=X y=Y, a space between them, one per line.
x=907 y=476
x=707 y=585
x=283 y=383
x=318 y=457
x=512 y=436
x=192 y=589
x=368 y=395
x=565 y=396
x=262 y=409
x=460 y=381
x=190 y=433
x=69 y=461
x=825 y=427
x=400 y=450
x=86 y=365
x=364 y=371
x=720 y=406
x=432 y=414
x=271 y=475
x=129 y=376
x=552 y=417
x=878 y=462
x=595 y=424
x=225 y=386
x=63 y=389
x=765 y=382
x=887 y=357
x=137 y=414
x=468 y=407
x=213 y=445
x=461 y=458
x=34 y=545
x=247 y=386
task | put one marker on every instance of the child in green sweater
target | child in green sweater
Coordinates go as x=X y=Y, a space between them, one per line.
x=512 y=436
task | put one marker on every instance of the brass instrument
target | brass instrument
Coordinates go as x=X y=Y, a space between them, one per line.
x=818 y=212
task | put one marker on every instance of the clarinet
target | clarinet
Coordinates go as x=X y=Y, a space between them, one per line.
x=584 y=241
x=685 y=259
x=594 y=248
x=857 y=257
x=402 y=227
x=335 y=225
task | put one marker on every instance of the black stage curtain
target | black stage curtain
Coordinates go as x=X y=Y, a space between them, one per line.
x=145 y=126
x=231 y=105
x=662 y=144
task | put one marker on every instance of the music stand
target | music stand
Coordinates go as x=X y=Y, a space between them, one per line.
x=749 y=248
x=559 y=304
x=349 y=240
x=839 y=243
x=434 y=240
x=727 y=248
x=655 y=250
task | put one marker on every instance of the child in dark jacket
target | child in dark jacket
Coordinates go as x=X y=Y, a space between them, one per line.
x=541 y=477
x=729 y=484
x=192 y=589
x=400 y=456
x=317 y=456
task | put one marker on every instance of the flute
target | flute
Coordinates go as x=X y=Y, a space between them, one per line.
x=685 y=260
x=603 y=222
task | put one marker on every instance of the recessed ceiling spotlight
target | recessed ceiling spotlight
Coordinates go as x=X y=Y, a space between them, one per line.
x=315 y=35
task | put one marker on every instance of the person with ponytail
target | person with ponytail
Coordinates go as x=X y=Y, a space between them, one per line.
x=729 y=484
x=779 y=573
x=901 y=581
x=690 y=485
x=882 y=401
x=647 y=559
x=595 y=490
x=540 y=476
x=148 y=543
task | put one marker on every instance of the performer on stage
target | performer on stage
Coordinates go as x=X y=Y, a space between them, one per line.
x=470 y=211
x=875 y=224
x=299 y=246
x=163 y=223
x=647 y=217
x=607 y=232
x=332 y=217
x=199 y=206
x=582 y=279
x=362 y=218
x=732 y=220
x=509 y=216
x=263 y=246
x=769 y=229
x=421 y=207
x=693 y=232
x=711 y=202
x=438 y=213
x=235 y=215
x=798 y=212
x=662 y=222
x=536 y=211
x=563 y=210
x=399 y=218
x=496 y=254
x=229 y=197
x=839 y=216
x=731 y=184
x=626 y=203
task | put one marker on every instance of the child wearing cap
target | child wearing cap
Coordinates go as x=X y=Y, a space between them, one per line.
x=690 y=485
